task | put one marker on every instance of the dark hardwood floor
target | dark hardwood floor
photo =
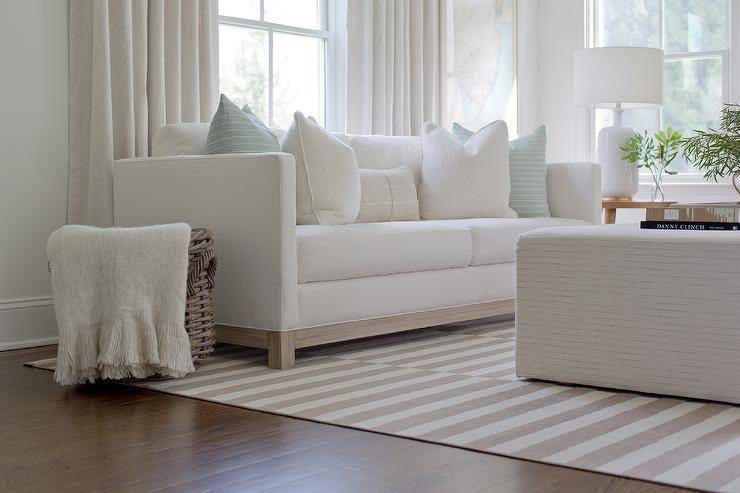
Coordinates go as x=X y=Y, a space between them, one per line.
x=116 y=438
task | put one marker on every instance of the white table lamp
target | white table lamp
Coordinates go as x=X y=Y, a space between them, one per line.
x=618 y=78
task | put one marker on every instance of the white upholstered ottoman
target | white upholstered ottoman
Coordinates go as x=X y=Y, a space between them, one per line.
x=617 y=306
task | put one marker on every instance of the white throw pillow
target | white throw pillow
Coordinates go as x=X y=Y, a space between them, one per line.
x=387 y=195
x=327 y=177
x=467 y=180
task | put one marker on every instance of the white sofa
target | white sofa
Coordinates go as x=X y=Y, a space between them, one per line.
x=282 y=286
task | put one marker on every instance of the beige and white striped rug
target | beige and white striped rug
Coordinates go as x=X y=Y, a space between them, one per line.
x=456 y=385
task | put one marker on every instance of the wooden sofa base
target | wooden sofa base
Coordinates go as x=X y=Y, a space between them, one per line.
x=281 y=344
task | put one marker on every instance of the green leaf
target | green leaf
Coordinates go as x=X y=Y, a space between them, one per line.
x=716 y=151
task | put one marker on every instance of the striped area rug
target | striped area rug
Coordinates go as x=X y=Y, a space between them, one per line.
x=456 y=385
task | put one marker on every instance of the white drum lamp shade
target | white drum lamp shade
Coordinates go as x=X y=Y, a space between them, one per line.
x=630 y=76
x=618 y=78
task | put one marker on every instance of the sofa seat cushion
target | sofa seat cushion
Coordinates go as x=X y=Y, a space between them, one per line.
x=494 y=239
x=333 y=252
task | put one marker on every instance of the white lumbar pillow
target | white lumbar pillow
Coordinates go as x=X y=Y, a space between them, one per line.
x=327 y=176
x=387 y=195
x=465 y=180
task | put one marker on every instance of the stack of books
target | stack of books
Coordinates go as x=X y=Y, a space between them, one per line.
x=720 y=216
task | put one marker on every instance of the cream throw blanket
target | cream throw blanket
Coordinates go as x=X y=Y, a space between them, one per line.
x=119 y=298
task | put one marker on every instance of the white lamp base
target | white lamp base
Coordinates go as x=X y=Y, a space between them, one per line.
x=619 y=179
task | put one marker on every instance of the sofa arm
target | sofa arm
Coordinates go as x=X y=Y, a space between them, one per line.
x=248 y=201
x=574 y=191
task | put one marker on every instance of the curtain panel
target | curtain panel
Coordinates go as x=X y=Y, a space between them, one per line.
x=393 y=65
x=134 y=66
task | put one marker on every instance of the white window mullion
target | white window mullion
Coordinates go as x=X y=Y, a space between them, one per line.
x=323 y=15
x=323 y=84
x=726 y=78
x=695 y=54
x=300 y=31
x=270 y=91
x=734 y=46
x=661 y=4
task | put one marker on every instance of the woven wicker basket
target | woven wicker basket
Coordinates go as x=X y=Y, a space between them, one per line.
x=199 y=304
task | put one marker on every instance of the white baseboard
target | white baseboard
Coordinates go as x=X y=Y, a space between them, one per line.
x=9 y=346
x=27 y=322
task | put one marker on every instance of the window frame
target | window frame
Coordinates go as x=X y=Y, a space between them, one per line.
x=730 y=81
x=332 y=14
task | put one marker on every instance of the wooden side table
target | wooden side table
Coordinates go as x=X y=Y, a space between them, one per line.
x=610 y=207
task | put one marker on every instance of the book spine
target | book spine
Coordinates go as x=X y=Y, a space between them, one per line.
x=705 y=213
x=690 y=225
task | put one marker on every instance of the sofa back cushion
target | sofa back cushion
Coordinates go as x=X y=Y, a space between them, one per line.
x=372 y=151
x=386 y=152
x=180 y=139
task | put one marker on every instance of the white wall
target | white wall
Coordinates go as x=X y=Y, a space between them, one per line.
x=550 y=31
x=561 y=29
x=527 y=65
x=33 y=163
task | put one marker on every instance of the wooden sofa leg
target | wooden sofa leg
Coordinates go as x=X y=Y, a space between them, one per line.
x=280 y=350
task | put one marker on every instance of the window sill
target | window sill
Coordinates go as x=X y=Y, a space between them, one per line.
x=691 y=191
x=697 y=178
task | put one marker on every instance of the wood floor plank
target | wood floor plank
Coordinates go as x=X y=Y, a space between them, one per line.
x=117 y=438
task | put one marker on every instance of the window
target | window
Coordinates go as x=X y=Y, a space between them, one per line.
x=695 y=35
x=273 y=56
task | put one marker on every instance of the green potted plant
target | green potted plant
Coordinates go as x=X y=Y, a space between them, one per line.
x=717 y=152
x=655 y=153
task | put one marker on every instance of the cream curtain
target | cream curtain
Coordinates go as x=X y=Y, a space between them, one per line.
x=393 y=60
x=134 y=66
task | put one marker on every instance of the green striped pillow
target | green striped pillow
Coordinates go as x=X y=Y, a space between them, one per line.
x=236 y=131
x=527 y=171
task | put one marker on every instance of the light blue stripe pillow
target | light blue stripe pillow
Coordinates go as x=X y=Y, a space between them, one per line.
x=527 y=171
x=238 y=131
